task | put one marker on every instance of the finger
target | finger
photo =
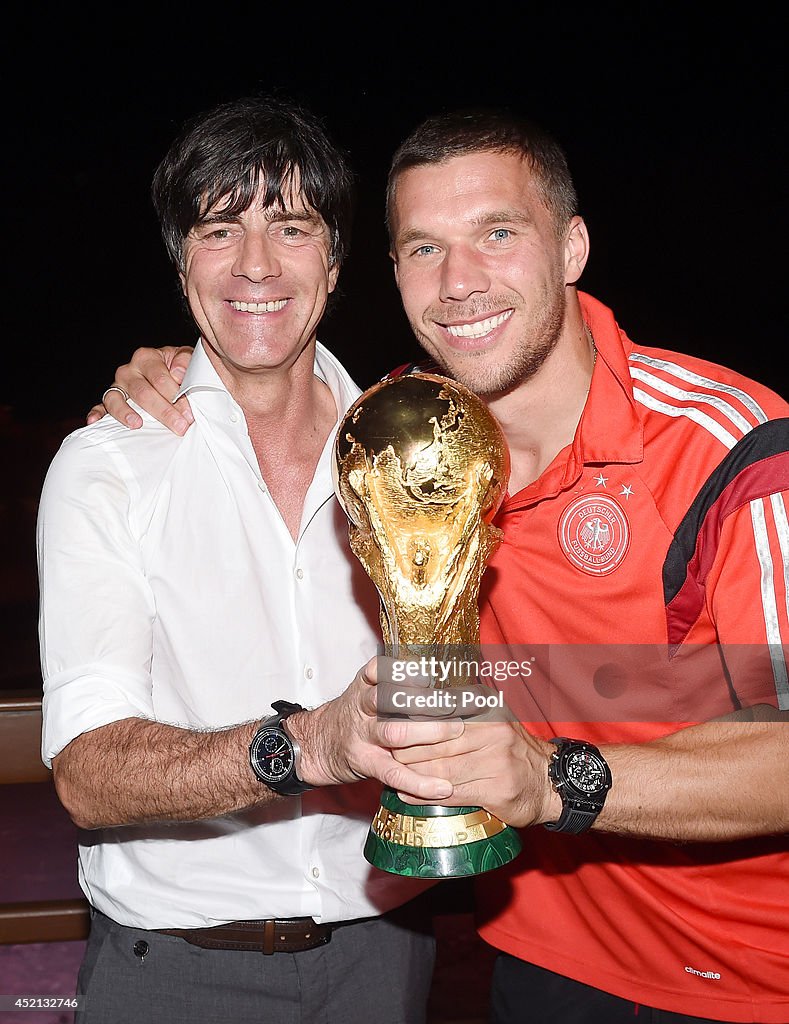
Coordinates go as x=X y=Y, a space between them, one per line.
x=403 y=672
x=469 y=787
x=183 y=407
x=399 y=734
x=148 y=369
x=424 y=788
x=422 y=752
x=462 y=796
x=399 y=699
x=414 y=801
x=367 y=697
x=117 y=406
x=180 y=361
x=178 y=366
x=460 y=771
x=364 y=690
x=96 y=413
x=149 y=396
x=494 y=739
x=369 y=672
x=153 y=380
x=151 y=365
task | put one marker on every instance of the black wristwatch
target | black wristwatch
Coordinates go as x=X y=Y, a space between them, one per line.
x=275 y=756
x=580 y=775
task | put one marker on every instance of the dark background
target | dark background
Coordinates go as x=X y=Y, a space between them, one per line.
x=674 y=124
x=675 y=131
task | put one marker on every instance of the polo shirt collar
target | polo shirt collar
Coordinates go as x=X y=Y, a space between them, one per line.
x=610 y=429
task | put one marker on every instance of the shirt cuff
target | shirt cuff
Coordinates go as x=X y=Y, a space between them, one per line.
x=84 y=699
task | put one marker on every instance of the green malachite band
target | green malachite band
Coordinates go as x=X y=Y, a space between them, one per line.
x=437 y=842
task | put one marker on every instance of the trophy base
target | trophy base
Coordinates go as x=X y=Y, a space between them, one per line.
x=438 y=842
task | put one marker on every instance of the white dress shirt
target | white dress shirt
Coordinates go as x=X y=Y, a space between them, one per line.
x=171 y=589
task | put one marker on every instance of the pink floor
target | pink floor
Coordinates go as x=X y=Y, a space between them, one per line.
x=38 y=851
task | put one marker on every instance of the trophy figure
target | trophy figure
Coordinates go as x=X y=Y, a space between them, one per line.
x=421 y=467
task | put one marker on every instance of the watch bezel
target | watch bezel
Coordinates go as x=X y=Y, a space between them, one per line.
x=575 y=751
x=255 y=752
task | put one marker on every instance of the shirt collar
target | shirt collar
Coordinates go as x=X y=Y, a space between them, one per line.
x=610 y=429
x=201 y=376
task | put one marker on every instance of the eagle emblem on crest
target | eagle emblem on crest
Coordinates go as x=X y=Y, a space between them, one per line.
x=594 y=534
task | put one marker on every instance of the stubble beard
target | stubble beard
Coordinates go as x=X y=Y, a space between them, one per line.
x=488 y=376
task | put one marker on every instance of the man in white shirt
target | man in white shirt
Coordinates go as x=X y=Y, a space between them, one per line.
x=190 y=583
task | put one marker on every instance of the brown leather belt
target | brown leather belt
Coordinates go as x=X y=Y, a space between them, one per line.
x=292 y=935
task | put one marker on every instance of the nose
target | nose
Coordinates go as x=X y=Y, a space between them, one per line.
x=463 y=273
x=256 y=257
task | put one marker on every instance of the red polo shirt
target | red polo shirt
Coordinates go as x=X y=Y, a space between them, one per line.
x=646 y=573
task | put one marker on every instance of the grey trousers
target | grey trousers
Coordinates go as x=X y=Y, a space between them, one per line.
x=376 y=970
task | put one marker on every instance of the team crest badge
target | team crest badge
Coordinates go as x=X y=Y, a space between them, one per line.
x=594 y=534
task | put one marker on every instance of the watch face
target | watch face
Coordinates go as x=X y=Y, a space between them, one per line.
x=272 y=755
x=586 y=771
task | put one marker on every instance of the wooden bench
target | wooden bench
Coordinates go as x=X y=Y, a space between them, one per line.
x=62 y=920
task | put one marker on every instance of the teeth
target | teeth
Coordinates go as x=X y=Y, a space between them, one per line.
x=258 y=307
x=479 y=329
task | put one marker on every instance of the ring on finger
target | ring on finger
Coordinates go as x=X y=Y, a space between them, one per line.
x=119 y=390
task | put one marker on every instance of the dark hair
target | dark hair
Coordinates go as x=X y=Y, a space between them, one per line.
x=482 y=129
x=232 y=148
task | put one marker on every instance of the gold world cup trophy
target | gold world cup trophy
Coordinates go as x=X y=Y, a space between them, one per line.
x=421 y=466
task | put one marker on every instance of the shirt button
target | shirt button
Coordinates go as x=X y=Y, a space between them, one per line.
x=316 y=873
x=234 y=417
x=308 y=672
x=299 y=574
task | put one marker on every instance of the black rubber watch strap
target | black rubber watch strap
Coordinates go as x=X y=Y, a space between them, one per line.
x=572 y=821
x=294 y=788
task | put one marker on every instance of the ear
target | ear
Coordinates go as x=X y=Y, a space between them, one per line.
x=334 y=273
x=576 y=250
x=393 y=258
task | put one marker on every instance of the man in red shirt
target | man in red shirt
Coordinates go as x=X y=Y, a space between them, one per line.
x=645 y=562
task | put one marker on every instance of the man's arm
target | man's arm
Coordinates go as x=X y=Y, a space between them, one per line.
x=724 y=779
x=137 y=771
x=152 y=380
x=717 y=781
x=113 y=763
x=712 y=782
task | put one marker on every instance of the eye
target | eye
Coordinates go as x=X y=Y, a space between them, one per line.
x=215 y=236
x=290 y=231
x=428 y=249
x=500 y=234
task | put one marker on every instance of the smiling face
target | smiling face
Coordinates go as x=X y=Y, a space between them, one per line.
x=257 y=282
x=481 y=267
